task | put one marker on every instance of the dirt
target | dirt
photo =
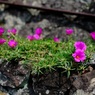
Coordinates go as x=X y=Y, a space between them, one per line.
x=51 y=83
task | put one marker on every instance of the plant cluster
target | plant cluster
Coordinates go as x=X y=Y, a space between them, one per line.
x=46 y=54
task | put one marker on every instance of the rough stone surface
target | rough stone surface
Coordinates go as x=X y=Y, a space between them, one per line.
x=13 y=75
x=23 y=91
x=81 y=92
x=71 y=5
x=2 y=93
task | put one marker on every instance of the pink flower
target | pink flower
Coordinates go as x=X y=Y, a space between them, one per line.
x=12 y=43
x=79 y=55
x=92 y=34
x=69 y=31
x=80 y=45
x=36 y=36
x=1 y=31
x=33 y=37
x=38 y=31
x=13 y=31
x=2 y=41
x=30 y=37
x=56 y=39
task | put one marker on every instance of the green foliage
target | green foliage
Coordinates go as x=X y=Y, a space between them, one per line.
x=45 y=54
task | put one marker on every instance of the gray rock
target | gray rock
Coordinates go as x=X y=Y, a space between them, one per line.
x=23 y=91
x=3 y=93
x=34 y=12
x=51 y=2
x=44 y=1
x=93 y=92
x=13 y=76
x=2 y=90
x=81 y=92
x=44 y=23
x=58 y=4
x=13 y=21
x=37 y=3
x=2 y=7
x=86 y=1
x=92 y=60
x=91 y=86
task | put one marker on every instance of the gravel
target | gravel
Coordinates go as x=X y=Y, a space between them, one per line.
x=71 y=5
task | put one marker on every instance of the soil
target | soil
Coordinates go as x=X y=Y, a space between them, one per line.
x=51 y=83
